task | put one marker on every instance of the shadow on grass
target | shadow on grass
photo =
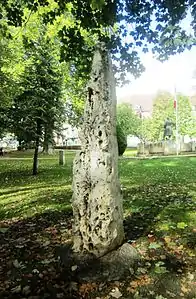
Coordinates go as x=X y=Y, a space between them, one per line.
x=158 y=209
x=14 y=173
x=29 y=257
x=38 y=241
x=47 y=175
x=12 y=192
x=27 y=202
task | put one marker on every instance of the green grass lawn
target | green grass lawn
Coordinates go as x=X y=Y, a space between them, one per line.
x=159 y=208
x=130 y=152
x=23 y=195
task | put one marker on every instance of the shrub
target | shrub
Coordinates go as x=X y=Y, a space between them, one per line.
x=121 y=139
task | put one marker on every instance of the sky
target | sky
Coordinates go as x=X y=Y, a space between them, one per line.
x=177 y=71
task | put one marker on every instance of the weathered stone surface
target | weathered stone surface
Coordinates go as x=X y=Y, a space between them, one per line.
x=120 y=262
x=113 y=266
x=124 y=255
x=97 y=204
x=61 y=158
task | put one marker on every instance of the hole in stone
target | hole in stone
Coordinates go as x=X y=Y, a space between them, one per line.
x=90 y=93
x=100 y=142
x=100 y=133
x=98 y=227
x=89 y=228
x=90 y=246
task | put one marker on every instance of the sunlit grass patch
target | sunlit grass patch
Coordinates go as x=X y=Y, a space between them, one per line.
x=23 y=195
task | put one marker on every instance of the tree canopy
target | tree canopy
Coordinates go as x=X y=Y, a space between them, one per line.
x=126 y=27
x=128 y=120
x=163 y=108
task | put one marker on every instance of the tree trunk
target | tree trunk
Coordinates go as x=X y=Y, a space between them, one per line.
x=97 y=204
x=35 y=158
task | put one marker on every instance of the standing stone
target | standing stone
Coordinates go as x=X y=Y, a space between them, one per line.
x=97 y=204
x=61 y=158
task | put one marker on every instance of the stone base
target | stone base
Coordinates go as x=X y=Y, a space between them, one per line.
x=113 y=266
x=121 y=262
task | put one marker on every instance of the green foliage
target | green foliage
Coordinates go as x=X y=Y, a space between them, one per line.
x=7 y=84
x=76 y=27
x=40 y=96
x=156 y=23
x=128 y=120
x=74 y=97
x=163 y=108
x=121 y=140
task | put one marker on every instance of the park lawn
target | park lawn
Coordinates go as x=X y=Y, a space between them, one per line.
x=23 y=195
x=130 y=152
x=160 y=221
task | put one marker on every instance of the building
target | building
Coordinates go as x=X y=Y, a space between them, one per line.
x=69 y=136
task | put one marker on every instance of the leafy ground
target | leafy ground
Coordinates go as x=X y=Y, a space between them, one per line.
x=35 y=222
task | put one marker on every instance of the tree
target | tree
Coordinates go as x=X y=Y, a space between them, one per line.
x=156 y=23
x=163 y=108
x=121 y=140
x=152 y=22
x=38 y=107
x=128 y=120
x=7 y=85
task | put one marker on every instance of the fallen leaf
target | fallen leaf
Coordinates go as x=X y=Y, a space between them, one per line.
x=184 y=289
x=26 y=290
x=74 y=268
x=115 y=293
x=17 y=264
x=46 y=243
x=60 y=295
x=73 y=286
x=16 y=290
